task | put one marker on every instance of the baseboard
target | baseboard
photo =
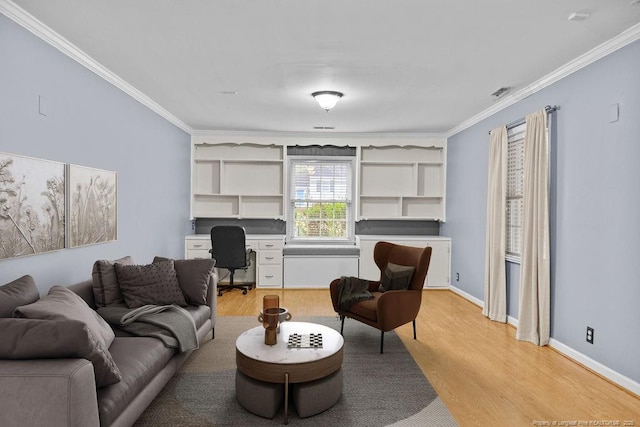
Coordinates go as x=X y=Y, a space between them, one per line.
x=576 y=356
x=597 y=367
x=467 y=296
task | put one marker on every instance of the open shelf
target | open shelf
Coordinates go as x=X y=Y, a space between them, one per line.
x=238 y=180
x=402 y=183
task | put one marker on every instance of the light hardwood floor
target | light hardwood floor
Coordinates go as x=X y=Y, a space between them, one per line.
x=482 y=373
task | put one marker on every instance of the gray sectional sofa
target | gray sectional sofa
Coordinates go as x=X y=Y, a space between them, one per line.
x=62 y=390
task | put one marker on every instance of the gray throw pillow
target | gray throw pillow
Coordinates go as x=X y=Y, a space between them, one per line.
x=14 y=294
x=63 y=304
x=155 y=284
x=57 y=339
x=193 y=277
x=395 y=277
x=106 y=290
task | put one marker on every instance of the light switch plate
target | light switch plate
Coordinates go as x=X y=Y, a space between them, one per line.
x=614 y=113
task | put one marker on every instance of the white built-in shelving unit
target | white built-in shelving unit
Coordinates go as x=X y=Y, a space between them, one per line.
x=397 y=180
x=237 y=181
x=402 y=182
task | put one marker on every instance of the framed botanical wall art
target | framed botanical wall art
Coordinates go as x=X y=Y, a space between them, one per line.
x=93 y=209
x=32 y=205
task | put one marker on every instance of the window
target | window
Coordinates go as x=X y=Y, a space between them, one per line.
x=320 y=195
x=515 y=188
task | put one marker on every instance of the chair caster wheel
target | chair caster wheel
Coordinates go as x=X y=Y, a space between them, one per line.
x=219 y=293
x=244 y=292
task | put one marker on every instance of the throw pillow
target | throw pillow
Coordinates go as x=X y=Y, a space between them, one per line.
x=395 y=277
x=14 y=294
x=105 y=282
x=57 y=339
x=63 y=304
x=149 y=284
x=193 y=277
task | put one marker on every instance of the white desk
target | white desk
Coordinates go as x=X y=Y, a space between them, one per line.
x=268 y=265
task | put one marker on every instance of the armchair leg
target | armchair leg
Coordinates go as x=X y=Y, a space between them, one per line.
x=414 y=329
x=341 y=324
x=381 y=341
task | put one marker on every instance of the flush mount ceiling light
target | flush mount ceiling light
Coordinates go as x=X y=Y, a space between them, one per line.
x=327 y=98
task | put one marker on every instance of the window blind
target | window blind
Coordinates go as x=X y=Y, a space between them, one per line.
x=515 y=189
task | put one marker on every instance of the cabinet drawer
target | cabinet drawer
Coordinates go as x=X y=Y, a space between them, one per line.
x=271 y=244
x=198 y=253
x=198 y=244
x=252 y=244
x=270 y=257
x=270 y=275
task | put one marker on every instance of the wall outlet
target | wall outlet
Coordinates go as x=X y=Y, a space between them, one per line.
x=589 y=335
x=457 y=277
x=193 y=225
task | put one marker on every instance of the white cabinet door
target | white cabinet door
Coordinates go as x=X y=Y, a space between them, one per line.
x=438 y=275
x=368 y=268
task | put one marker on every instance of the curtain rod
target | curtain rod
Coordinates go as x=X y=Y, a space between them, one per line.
x=549 y=109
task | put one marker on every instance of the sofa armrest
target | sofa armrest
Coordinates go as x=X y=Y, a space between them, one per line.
x=48 y=392
x=212 y=297
x=335 y=284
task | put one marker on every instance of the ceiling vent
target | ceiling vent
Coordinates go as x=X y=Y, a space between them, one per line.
x=501 y=92
x=579 y=16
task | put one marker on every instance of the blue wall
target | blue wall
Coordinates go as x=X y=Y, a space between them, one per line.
x=595 y=208
x=89 y=122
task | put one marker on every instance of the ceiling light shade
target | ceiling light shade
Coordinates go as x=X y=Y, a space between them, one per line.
x=327 y=98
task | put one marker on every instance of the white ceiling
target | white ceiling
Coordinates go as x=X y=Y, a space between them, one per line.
x=405 y=66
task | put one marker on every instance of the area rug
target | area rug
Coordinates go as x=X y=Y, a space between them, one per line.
x=379 y=389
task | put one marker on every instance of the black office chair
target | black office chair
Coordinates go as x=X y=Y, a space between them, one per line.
x=228 y=248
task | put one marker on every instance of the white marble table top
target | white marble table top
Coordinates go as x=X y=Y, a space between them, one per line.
x=251 y=344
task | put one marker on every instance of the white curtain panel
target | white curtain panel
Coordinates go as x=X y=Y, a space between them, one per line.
x=495 y=283
x=533 y=319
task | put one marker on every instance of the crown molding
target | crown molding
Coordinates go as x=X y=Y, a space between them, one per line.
x=623 y=39
x=29 y=22
x=317 y=135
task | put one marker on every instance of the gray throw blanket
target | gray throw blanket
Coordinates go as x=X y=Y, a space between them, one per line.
x=350 y=291
x=171 y=324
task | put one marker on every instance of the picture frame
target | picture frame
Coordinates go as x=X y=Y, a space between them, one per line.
x=32 y=205
x=93 y=206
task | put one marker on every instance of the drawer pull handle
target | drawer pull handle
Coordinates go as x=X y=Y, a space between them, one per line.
x=268 y=257
x=269 y=246
x=197 y=246
x=268 y=276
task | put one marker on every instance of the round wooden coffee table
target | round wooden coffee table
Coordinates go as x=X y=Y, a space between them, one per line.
x=280 y=364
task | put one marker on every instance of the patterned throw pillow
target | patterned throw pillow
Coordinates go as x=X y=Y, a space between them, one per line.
x=105 y=282
x=396 y=277
x=155 y=284
x=194 y=276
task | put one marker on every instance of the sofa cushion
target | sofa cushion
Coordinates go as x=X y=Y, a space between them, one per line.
x=56 y=339
x=14 y=294
x=193 y=277
x=396 y=277
x=105 y=282
x=149 y=284
x=63 y=304
x=139 y=359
